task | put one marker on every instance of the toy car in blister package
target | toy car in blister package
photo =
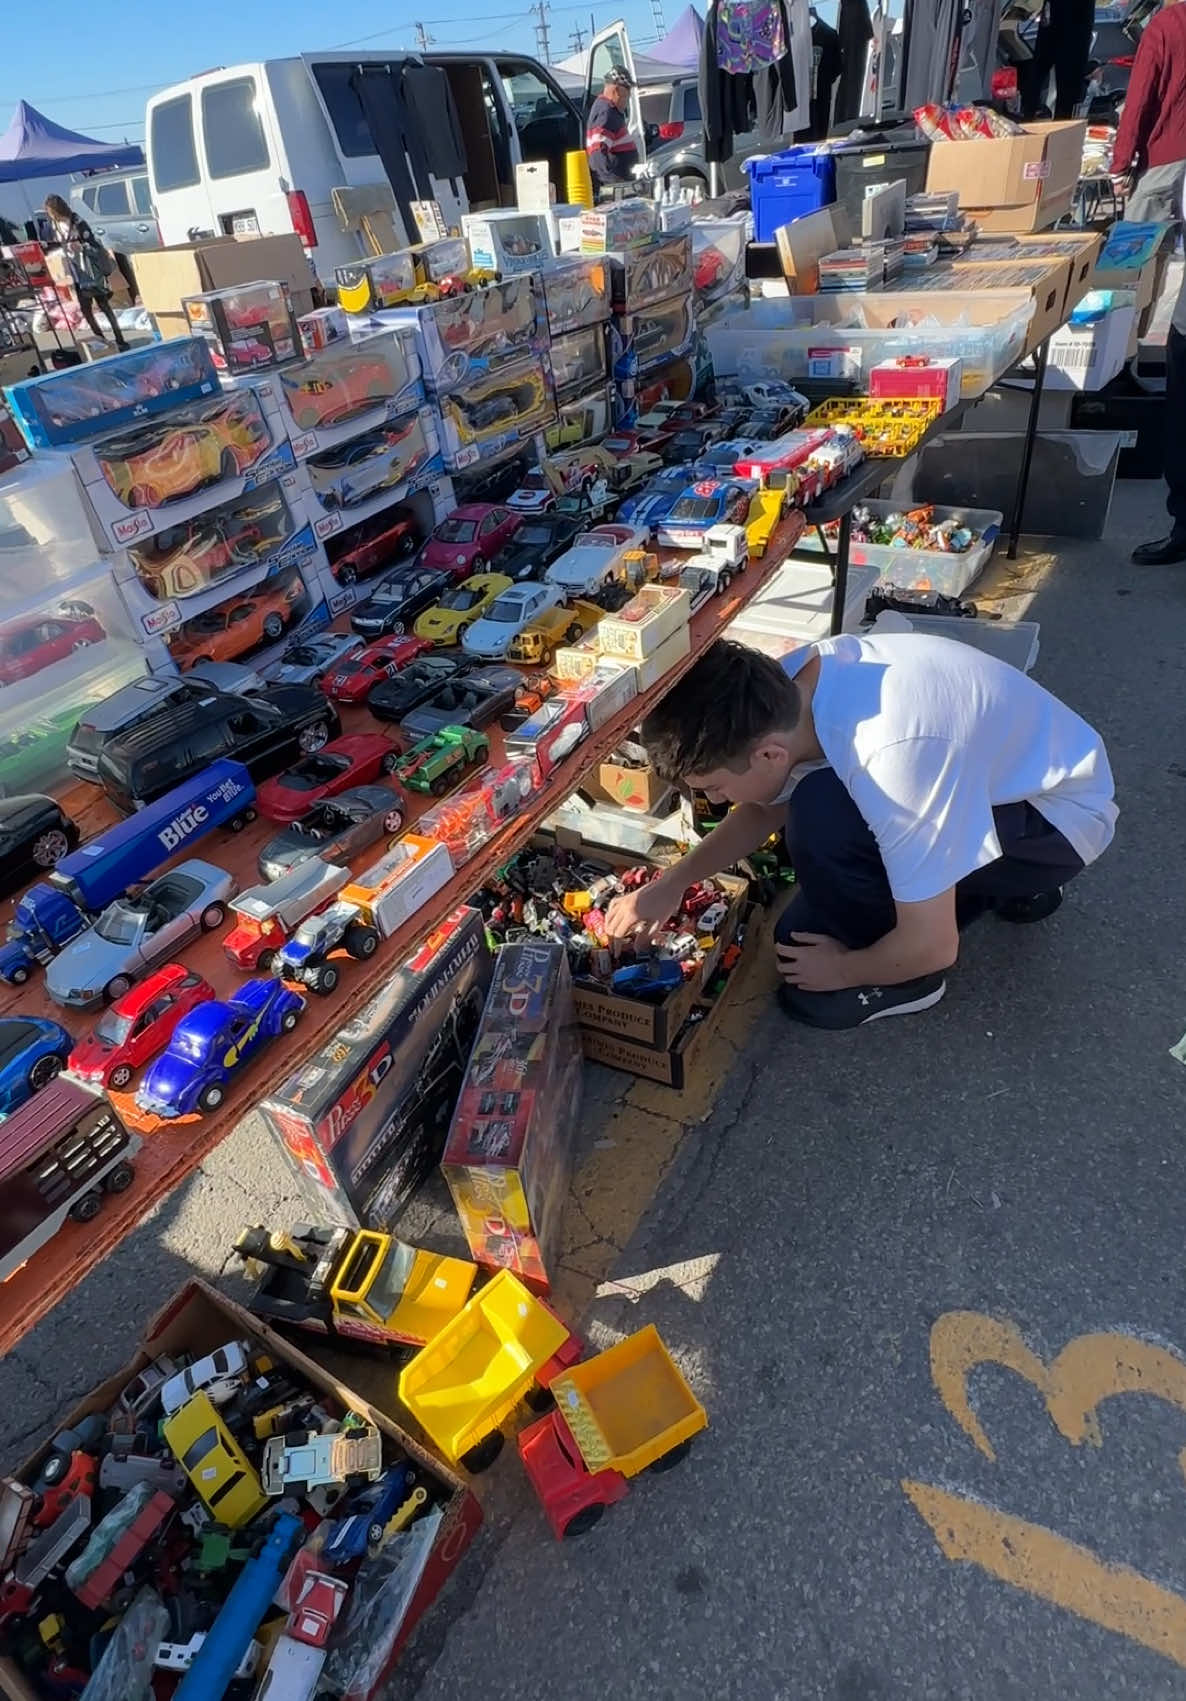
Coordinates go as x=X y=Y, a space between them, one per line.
x=508 y=1157
x=508 y=405
x=652 y=271
x=82 y=402
x=249 y=327
x=576 y=293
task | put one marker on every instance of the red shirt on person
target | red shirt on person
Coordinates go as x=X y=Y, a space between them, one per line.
x=1153 y=124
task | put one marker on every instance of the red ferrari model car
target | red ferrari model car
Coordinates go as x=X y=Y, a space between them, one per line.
x=375 y=544
x=351 y=680
x=28 y=645
x=329 y=395
x=346 y=762
x=465 y=543
x=138 y=1026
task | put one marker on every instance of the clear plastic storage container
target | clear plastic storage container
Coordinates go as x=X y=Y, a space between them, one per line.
x=924 y=569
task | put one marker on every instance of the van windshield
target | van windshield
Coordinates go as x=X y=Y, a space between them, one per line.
x=171 y=149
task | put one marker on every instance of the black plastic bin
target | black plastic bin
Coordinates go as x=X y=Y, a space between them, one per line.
x=876 y=161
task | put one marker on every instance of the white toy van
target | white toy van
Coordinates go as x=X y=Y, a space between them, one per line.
x=259 y=148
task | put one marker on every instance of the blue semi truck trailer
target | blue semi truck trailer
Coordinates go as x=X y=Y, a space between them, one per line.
x=81 y=885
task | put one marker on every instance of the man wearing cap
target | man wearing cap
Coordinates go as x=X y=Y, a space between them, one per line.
x=608 y=143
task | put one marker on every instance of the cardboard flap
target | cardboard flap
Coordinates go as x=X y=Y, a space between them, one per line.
x=803 y=243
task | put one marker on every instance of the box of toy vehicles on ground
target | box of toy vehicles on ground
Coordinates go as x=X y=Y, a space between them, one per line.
x=222 y=1507
x=508 y=1158
x=365 y=1117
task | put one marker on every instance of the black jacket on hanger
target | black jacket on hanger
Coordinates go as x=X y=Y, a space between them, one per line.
x=826 y=62
x=747 y=79
x=856 y=32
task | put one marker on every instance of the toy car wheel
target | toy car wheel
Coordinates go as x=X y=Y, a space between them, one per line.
x=347 y=576
x=361 y=942
x=54 y=1469
x=273 y=627
x=313 y=738
x=211 y=1097
x=81 y=644
x=17 y=976
x=573 y=632
x=396 y=628
x=85 y=1210
x=439 y=786
x=325 y=980
x=288 y=1021
x=393 y=820
x=264 y=961
x=477 y=565
x=119 y=1179
x=120 y=1076
x=406 y=544
x=539 y=1399
x=583 y=1520
x=670 y=1460
x=375 y=1534
x=390 y=762
x=723 y=583
x=212 y=916
x=116 y=987
x=481 y=1457
x=43 y=1072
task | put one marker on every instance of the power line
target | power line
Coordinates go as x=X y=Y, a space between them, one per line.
x=577 y=39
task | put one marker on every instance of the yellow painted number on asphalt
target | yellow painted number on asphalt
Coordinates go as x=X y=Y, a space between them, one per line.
x=1089 y=1370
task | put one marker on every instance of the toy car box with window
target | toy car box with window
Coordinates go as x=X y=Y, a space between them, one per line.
x=364 y=1118
x=248 y=625
x=508 y=241
x=381 y=281
x=718 y=258
x=395 y=533
x=621 y=224
x=464 y=338
x=393 y=1544
x=182 y=572
x=349 y=389
x=509 y=1155
x=650 y=272
x=34 y=735
x=576 y=294
x=167 y=470
x=383 y=462
x=582 y=420
x=641 y=341
x=79 y=403
x=443 y=257
x=495 y=412
x=55 y=644
x=428 y=496
x=45 y=529
x=249 y=327
x=578 y=361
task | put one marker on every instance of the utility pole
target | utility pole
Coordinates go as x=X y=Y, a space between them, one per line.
x=660 y=21
x=577 y=40
x=543 y=47
x=423 y=40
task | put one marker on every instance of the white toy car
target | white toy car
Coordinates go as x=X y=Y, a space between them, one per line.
x=219 y=1376
x=596 y=559
x=489 y=638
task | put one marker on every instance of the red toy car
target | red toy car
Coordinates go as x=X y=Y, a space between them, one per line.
x=316 y=1608
x=138 y=1026
x=352 y=761
x=329 y=396
x=28 y=645
x=464 y=543
x=375 y=544
x=353 y=678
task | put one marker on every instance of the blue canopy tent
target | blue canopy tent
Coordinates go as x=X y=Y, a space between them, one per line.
x=34 y=146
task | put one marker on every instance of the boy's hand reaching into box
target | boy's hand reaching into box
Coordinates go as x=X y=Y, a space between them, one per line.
x=642 y=913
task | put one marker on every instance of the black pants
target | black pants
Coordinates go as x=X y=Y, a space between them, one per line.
x=88 y=301
x=1063 y=46
x=842 y=889
x=1175 y=425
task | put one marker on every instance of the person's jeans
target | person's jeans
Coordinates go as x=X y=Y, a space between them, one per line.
x=841 y=884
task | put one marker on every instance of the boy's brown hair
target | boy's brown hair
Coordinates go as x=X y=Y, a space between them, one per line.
x=723 y=706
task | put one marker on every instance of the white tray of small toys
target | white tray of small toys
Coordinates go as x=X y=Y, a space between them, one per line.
x=949 y=572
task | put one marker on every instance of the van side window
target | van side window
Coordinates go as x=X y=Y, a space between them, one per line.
x=171 y=145
x=111 y=200
x=234 y=135
x=142 y=196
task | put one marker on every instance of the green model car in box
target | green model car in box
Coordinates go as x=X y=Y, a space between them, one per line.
x=437 y=762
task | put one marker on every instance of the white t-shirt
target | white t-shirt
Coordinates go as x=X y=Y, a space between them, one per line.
x=928 y=735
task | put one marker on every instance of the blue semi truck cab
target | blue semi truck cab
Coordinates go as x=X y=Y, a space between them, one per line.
x=52 y=913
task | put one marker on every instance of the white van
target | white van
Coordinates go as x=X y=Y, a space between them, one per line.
x=259 y=149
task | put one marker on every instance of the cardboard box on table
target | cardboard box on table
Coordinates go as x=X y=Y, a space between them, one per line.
x=165 y=276
x=639 y=789
x=195 y=1321
x=1018 y=183
x=1048 y=282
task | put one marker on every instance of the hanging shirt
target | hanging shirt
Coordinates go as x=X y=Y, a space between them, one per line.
x=609 y=144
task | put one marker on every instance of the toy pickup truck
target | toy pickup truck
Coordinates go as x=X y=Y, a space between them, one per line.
x=563 y=623
x=269 y=914
x=299 y=1463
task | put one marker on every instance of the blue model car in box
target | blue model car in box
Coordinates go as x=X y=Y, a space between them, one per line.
x=81 y=402
x=212 y=1043
x=32 y=1052
x=84 y=882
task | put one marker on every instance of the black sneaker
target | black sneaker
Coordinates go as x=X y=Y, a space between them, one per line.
x=1025 y=910
x=1166 y=552
x=854 y=1006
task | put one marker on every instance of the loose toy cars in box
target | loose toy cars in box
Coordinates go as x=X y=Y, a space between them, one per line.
x=81 y=402
x=377 y=460
x=211 y=1044
x=508 y=1158
x=469 y=337
x=347 y=384
x=356 y=1283
x=267 y=915
x=650 y=272
x=494 y=412
x=364 y=1118
x=249 y=327
x=576 y=294
x=383 y=280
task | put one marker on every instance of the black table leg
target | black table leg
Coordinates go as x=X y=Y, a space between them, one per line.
x=840 y=573
x=1027 y=447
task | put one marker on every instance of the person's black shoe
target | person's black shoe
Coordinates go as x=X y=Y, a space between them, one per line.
x=1164 y=553
x=1025 y=910
x=854 y=1006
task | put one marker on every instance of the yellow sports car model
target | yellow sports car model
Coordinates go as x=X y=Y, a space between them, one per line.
x=445 y=622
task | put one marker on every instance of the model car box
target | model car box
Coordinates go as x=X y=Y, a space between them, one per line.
x=52 y=640
x=576 y=294
x=350 y=388
x=166 y=471
x=620 y=224
x=1135 y=256
x=249 y=327
x=641 y=341
x=509 y=1155
x=651 y=616
x=428 y=485
x=322 y=328
x=659 y=663
x=918 y=378
x=194 y=1323
x=382 y=280
x=650 y=271
x=379 y=462
x=718 y=257
x=582 y=420
x=464 y=338
x=508 y=241
x=445 y=257
x=45 y=529
x=79 y=403
x=605 y=691
x=1024 y=182
x=496 y=412
x=245 y=624
x=364 y=1118
x=13 y=448
x=1048 y=281
x=578 y=361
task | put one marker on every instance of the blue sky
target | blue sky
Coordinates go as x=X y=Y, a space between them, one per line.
x=131 y=50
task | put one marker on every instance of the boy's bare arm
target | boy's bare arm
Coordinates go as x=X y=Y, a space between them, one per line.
x=743 y=830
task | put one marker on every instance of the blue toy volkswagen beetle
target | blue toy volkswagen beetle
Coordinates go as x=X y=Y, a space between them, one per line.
x=212 y=1043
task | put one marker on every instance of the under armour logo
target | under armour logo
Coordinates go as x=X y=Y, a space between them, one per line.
x=867 y=998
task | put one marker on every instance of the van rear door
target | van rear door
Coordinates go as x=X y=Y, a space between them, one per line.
x=216 y=164
x=608 y=48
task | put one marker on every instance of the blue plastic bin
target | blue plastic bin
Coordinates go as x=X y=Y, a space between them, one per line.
x=785 y=186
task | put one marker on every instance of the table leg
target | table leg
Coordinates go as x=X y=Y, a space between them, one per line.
x=840 y=572
x=1027 y=447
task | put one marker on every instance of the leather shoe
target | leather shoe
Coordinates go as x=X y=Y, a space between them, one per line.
x=1163 y=553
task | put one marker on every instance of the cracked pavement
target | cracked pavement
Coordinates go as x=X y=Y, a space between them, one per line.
x=795 y=1228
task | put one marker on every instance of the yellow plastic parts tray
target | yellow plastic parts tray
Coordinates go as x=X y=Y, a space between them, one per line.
x=628 y=1406
x=885 y=427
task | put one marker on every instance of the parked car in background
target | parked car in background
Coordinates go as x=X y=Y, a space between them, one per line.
x=118 y=207
x=35 y=833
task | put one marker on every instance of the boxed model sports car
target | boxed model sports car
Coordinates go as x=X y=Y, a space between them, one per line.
x=349 y=388
x=464 y=338
x=578 y=361
x=82 y=402
x=365 y=1118
x=507 y=407
x=381 y=462
x=653 y=271
x=249 y=327
x=576 y=293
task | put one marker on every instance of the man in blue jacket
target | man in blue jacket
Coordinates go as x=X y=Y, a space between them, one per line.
x=608 y=142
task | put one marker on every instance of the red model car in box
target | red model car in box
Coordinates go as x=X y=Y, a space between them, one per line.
x=350 y=761
x=334 y=393
x=350 y=682
x=368 y=548
x=138 y=1026
x=464 y=543
x=28 y=645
